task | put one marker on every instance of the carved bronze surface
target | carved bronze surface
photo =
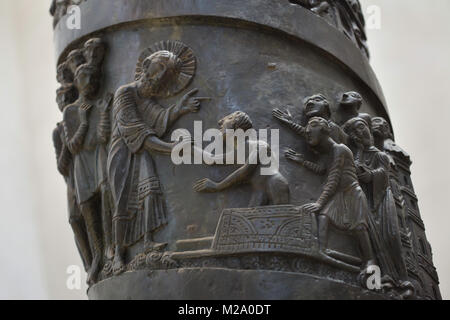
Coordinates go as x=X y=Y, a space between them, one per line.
x=337 y=205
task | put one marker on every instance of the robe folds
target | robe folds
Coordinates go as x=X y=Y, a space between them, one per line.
x=135 y=185
x=88 y=152
x=343 y=200
x=383 y=221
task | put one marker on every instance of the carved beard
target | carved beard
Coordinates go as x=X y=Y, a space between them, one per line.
x=152 y=87
x=361 y=142
x=380 y=131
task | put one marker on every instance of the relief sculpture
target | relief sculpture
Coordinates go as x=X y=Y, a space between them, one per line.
x=374 y=169
x=139 y=123
x=345 y=15
x=327 y=204
x=105 y=149
x=87 y=129
x=269 y=189
x=315 y=106
x=342 y=202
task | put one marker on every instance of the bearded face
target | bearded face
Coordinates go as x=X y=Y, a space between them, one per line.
x=87 y=82
x=380 y=128
x=361 y=135
x=152 y=80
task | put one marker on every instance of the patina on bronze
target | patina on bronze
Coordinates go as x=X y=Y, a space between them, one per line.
x=337 y=219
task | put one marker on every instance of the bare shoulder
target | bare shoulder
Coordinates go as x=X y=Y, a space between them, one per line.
x=342 y=150
x=125 y=89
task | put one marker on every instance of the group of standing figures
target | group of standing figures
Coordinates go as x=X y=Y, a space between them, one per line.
x=115 y=197
x=104 y=150
x=81 y=143
x=358 y=191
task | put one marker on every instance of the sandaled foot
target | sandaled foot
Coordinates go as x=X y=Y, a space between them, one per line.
x=93 y=271
x=118 y=266
x=153 y=246
x=109 y=253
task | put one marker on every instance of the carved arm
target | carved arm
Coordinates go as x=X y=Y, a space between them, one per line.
x=333 y=181
x=298 y=158
x=63 y=155
x=239 y=176
x=297 y=128
x=153 y=143
x=75 y=143
x=314 y=167
x=104 y=126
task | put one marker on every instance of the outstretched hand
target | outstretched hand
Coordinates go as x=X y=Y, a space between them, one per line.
x=189 y=103
x=206 y=185
x=282 y=116
x=294 y=156
x=312 y=208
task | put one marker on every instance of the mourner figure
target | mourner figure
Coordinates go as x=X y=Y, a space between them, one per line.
x=384 y=139
x=342 y=202
x=374 y=168
x=314 y=106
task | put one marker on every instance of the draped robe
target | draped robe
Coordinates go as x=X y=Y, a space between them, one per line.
x=135 y=184
x=385 y=232
x=343 y=200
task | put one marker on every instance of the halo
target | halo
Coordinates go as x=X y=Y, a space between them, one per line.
x=185 y=72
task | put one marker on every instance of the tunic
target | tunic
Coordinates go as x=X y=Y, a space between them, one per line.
x=343 y=200
x=384 y=224
x=86 y=143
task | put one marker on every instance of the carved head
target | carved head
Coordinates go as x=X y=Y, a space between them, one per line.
x=235 y=121
x=75 y=59
x=94 y=51
x=63 y=74
x=158 y=69
x=87 y=80
x=66 y=95
x=351 y=100
x=317 y=106
x=359 y=132
x=381 y=128
x=317 y=130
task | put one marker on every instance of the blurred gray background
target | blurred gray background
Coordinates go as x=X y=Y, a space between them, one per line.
x=410 y=55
